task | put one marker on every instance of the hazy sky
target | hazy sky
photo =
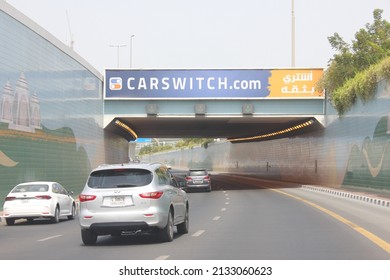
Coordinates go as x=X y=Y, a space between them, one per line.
x=193 y=34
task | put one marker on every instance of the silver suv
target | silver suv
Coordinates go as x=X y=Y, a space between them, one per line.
x=198 y=180
x=131 y=198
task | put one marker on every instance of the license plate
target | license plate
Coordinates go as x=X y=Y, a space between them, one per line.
x=117 y=201
x=198 y=181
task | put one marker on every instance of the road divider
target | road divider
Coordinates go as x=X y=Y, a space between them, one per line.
x=372 y=199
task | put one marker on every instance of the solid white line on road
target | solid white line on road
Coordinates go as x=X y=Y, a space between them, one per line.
x=163 y=257
x=216 y=218
x=198 y=233
x=48 y=238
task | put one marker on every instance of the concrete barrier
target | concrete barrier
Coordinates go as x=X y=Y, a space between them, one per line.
x=372 y=199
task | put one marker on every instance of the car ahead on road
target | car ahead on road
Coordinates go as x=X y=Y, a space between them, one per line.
x=33 y=200
x=198 y=180
x=132 y=198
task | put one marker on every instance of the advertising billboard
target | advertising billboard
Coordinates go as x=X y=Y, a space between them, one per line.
x=212 y=84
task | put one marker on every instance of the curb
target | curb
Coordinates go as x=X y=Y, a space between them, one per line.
x=379 y=201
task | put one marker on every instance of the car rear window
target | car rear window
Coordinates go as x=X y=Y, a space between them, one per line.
x=119 y=178
x=198 y=173
x=31 y=188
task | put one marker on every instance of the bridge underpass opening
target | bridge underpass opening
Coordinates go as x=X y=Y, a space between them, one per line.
x=239 y=105
x=236 y=130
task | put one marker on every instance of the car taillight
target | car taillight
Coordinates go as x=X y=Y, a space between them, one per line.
x=10 y=198
x=43 y=197
x=86 y=197
x=188 y=178
x=206 y=178
x=151 y=195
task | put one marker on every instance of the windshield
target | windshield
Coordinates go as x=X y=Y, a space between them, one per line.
x=119 y=178
x=197 y=173
x=31 y=188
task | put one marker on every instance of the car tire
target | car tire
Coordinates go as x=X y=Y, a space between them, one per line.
x=10 y=221
x=88 y=237
x=184 y=226
x=73 y=214
x=56 y=218
x=166 y=234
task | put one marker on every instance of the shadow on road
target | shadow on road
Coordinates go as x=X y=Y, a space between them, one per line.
x=247 y=182
x=240 y=182
x=130 y=240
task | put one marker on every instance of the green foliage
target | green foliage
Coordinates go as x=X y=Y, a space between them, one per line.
x=355 y=69
x=151 y=149
x=362 y=86
x=182 y=144
x=191 y=142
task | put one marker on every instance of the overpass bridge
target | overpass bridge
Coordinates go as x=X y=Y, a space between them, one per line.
x=240 y=105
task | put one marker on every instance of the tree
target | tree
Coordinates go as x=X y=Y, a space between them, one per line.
x=371 y=46
x=373 y=43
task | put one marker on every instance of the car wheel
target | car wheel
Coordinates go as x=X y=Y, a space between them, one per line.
x=10 y=221
x=166 y=234
x=56 y=218
x=88 y=237
x=184 y=226
x=71 y=216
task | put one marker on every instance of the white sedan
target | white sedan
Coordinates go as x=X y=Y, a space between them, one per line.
x=38 y=200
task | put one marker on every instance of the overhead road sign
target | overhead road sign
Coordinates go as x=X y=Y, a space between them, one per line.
x=212 y=84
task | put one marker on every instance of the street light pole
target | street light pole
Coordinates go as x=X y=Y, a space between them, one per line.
x=117 y=47
x=131 y=50
x=292 y=34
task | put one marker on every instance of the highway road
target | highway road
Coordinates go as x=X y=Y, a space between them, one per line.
x=241 y=219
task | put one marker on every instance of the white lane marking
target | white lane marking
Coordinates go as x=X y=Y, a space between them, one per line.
x=48 y=238
x=216 y=218
x=223 y=209
x=228 y=198
x=198 y=233
x=163 y=257
x=227 y=203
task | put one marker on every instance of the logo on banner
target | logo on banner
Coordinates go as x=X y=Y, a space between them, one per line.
x=115 y=83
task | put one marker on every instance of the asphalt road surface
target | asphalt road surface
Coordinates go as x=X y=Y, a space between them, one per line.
x=241 y=219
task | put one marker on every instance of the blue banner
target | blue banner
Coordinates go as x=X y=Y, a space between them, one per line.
x=143 y=140
x=186 y=84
